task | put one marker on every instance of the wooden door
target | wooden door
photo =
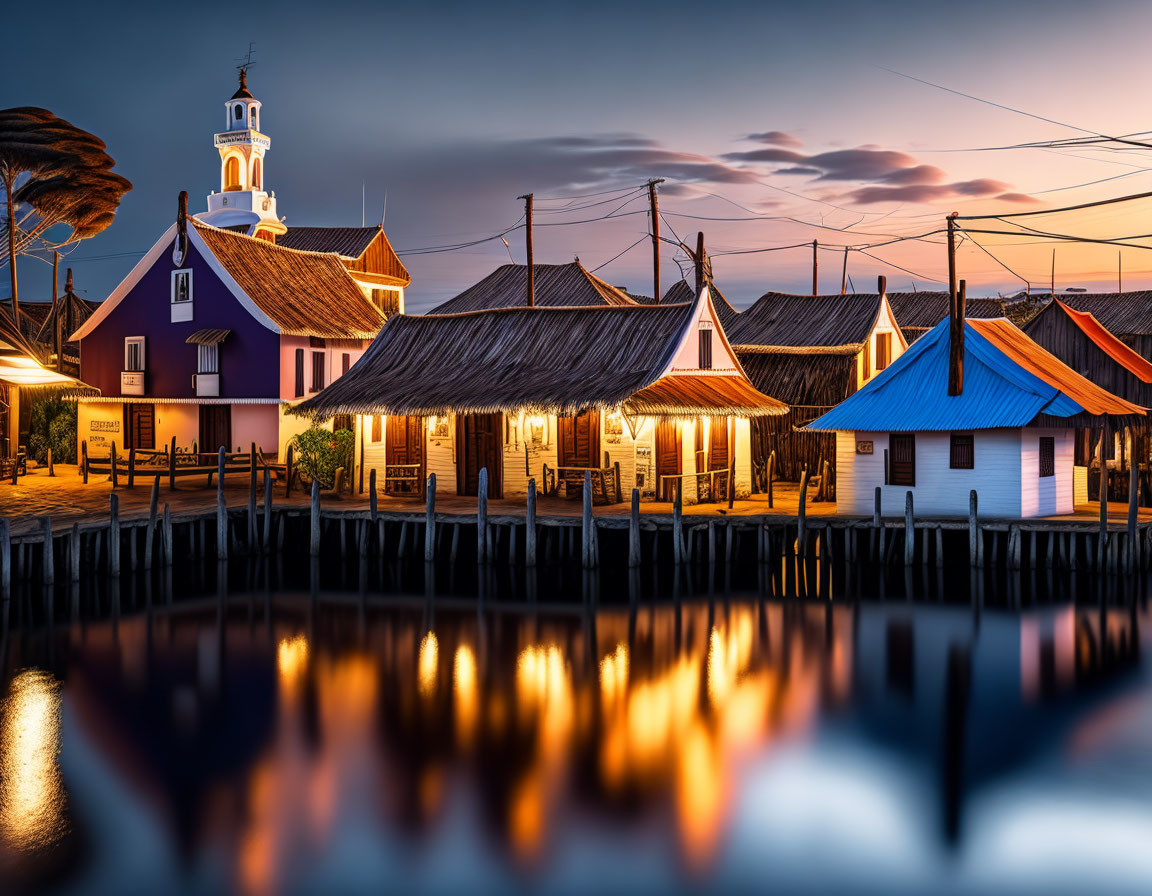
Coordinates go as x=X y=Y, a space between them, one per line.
x=139 y=426
x=668 y=456
x=479 y=440
x=404 y=446
x=215 y=427
x=718 y=455
x=902 y=459
x=578 y=440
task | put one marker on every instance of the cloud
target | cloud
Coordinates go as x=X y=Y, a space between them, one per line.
x=1017 y=197
x=775 y=138
x=888 y=175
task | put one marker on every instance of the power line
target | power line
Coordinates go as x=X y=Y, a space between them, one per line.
x=619 y=254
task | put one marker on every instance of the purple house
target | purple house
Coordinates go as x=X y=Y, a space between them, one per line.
x=223 y=325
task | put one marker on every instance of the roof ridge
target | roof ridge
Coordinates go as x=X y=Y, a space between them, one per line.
x=264 y=244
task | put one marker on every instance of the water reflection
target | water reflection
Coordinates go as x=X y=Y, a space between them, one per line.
x=291 y=747
x=32 y=801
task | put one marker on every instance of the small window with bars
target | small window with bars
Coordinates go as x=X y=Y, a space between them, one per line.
x=1047 y=456
x=299 y=372
x=962 y=455
x=208 y=358
x=317 y=371
x=902 y=459
x=705 y=345
x=134 y=353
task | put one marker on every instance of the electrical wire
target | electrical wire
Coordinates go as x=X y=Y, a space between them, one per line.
x=619 y=254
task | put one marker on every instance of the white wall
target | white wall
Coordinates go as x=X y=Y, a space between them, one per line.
x=1052 y=494
x=939 y=491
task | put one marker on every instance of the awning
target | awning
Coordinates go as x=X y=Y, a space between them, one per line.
x=207 y=337
x=19 y=371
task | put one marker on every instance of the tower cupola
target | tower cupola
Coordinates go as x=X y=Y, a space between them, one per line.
x=243 y=197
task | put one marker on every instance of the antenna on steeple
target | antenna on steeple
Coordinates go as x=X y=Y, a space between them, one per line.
x=246 y=62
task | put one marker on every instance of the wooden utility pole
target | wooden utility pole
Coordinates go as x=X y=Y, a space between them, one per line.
x=699 y=259
x=1053 y=282
x=956 y=323
x=1119 y=270
x=56 y=308
x=844 y=273
x=654 y=211
x=815 y=248
x=527 y=197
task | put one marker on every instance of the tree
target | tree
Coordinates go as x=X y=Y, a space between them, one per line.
x=55 y=176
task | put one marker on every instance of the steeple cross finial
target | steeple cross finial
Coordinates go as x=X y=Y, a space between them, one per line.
x=246 y=62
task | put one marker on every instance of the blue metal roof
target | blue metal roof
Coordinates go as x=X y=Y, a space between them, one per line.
x=912 y=394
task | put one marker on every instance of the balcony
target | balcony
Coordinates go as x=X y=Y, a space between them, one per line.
x=132 y=382
x=207 y=385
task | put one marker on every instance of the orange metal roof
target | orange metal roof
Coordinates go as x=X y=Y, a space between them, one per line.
x=1018 y=346
x=1136 y=364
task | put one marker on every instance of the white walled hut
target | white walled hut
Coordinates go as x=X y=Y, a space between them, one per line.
x=1008 y=434
x=547 y=393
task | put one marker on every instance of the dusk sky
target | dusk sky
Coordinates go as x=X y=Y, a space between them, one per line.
x=772 y=110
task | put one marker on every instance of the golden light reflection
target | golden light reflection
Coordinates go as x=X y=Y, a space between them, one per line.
x=465 y=693
x=428 y=665
x=291 y=662
x=32 y=798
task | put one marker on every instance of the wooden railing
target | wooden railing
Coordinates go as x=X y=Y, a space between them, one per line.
x=606 y=486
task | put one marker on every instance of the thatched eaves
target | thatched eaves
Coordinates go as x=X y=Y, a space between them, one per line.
x=782 y=320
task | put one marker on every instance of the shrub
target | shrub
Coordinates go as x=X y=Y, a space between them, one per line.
x=53 y=425
x=320 y=451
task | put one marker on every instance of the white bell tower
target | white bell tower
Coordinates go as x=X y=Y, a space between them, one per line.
x=242 y=198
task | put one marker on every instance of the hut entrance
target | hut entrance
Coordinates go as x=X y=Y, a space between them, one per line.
x=668 y=458
x=479 y=439
x=718 y=454
x=139 y=425
x=578 y=440
x=404 y=456
x=215 y=427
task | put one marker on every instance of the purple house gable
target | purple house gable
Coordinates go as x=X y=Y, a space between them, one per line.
x=249 y=357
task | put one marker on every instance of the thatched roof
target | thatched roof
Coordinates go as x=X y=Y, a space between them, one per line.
x=802 y=379
x=303 y=293
x=1121 y=313
x=918 y=312
x=681 y=291
x=544 y=360
x=781 y=319
x=556 y=285
x=351 y=242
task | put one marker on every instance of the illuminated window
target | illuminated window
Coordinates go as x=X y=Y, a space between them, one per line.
x=883 y=350
x=256 y=174
x=232 y=174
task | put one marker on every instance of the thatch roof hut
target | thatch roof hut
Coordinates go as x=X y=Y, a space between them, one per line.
x=546 y=360
x=1127 y=315
x=919 y=312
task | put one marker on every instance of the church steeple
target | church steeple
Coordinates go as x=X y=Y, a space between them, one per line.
x=242 y=197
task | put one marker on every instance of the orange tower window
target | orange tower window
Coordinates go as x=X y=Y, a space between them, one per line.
x=232 y=174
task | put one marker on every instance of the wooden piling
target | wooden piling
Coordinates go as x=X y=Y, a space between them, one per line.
x=74 y=554
x=373 y=511
x=678 y=524
x=171 y=465
x=430 y=519
x=266 y=541
x=1133 y=494
x=49 y=560
x=51 y=466
x=634 y=531
x=771 y=471
x=530 y=526
x=909 y=530
x=314 y=519
x=1014 y=547
x=149 y=533
x=711 y=543
x=114 y=535
x=169 y=548
x=802 y=516
x=221 y=509
x=288 y=473
x=587 y=535
x=132 y=466
x=973 y=530
x=84 y=460
x=482 y=516
x=252 y=499
x=115 y=473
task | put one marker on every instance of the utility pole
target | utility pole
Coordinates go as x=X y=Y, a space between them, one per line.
x=1053 y=283
x=655 y=214
x=527 y=197
x=815 y=247
x=1119 y=270
x=956 y=321
x=699 y=262
x=56 y=307
x=844 y=273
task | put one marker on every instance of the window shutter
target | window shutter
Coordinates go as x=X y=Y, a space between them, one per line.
x=345 y=363
x=1047 y=456
x=962 y=454
x=706 y=349
x=299 y=372
x=902 y=459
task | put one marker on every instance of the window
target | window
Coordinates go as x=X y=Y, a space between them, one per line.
x=1047 y=456
x=181 y=305
x=255 y=174
x=317 y=371
x=377 y=428
x=208 y=358
x=866 y=362
x=962 y=455
x=232 y=174
x=902 y=459
x=299 y=372
x=705 y=345
x=387 y=300
x=883 y=350
x=345 y=362
x=134 y=353
x=252 y=118
x=239 y=112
